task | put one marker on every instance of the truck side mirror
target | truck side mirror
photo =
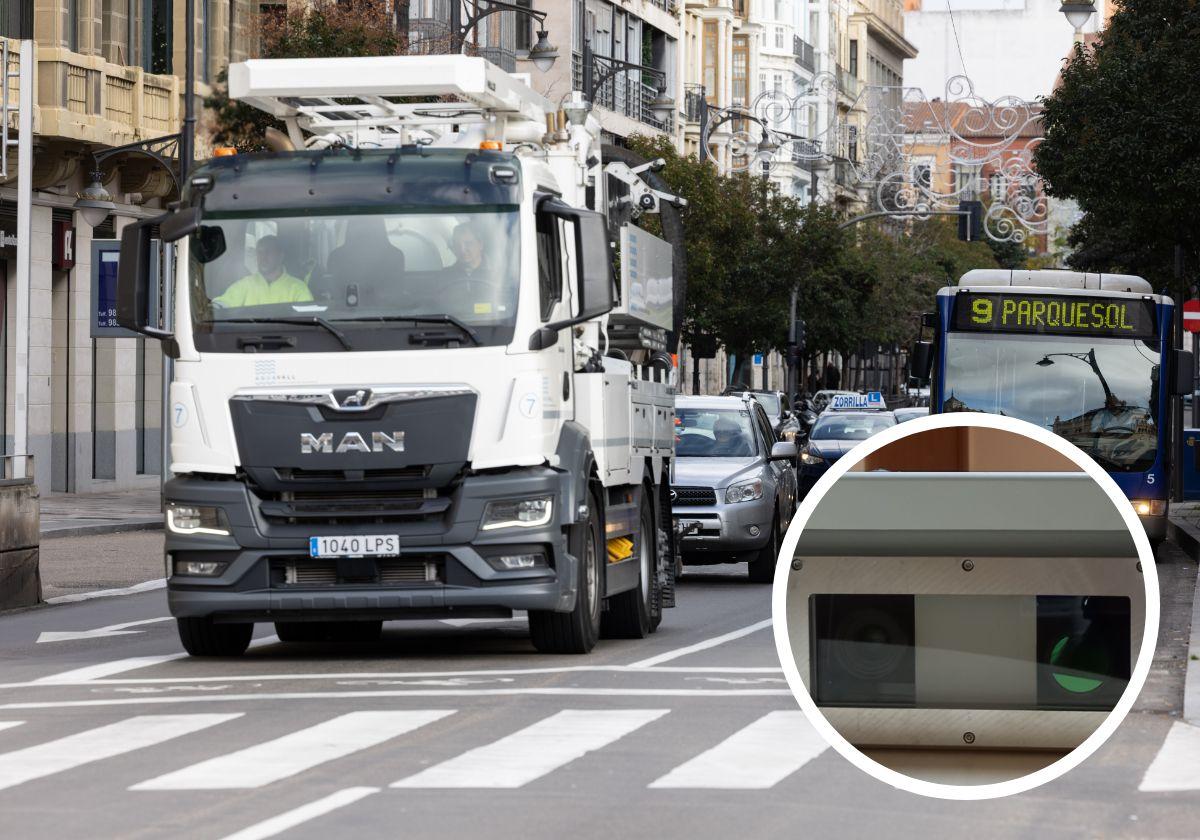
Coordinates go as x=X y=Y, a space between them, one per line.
x=1183 y=373
x=595 y=265
x=920 y=360
x=133 y=280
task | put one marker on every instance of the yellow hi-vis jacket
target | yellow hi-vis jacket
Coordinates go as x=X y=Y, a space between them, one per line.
x=256 y=290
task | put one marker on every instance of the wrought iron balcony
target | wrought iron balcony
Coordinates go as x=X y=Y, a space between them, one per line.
x=624 y=94
x=848 y=83
x=693 y=102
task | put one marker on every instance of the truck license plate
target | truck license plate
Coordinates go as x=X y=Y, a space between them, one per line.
x=360 y=545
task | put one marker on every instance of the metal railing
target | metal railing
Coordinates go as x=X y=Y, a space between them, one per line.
x=806 y=56
x=848 y=83
x=624 y=94
x=693 y=102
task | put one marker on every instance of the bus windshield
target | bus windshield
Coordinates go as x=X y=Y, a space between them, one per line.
x=1101 y=394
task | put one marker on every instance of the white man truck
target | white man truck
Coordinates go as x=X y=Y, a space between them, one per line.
x=398 y=390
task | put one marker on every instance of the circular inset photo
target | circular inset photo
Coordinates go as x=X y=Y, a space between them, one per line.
x=966 y=606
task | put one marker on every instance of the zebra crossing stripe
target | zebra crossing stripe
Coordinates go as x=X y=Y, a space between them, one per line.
x=298 y=816
x=1177 y=764
x=534 y=751
x=756 y=757
x=295 y=752
x=114 y=739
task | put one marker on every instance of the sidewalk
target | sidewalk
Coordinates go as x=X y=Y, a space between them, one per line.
x=71 y=515
x=1185 y=527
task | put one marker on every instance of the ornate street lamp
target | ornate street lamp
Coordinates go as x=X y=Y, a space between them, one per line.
x=600 y=69
x=542 y=53
x=94 y=203
x=1078 y=13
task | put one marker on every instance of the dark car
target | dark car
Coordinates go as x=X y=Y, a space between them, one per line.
x=779 y=411
x=733 y=488
x=834 y=434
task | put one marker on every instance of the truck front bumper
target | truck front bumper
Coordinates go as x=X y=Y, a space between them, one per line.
x=265 y=572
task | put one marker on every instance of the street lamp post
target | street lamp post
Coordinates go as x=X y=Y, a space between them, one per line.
x=94 y=203
x=708 y=123
x=542 y=54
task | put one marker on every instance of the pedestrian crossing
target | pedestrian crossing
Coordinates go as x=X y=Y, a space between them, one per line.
x=758 y=753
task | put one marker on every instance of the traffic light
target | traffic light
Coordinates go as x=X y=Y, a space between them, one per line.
x=800 y=334
x=970 y=226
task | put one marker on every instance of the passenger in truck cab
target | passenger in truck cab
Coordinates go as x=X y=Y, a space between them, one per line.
x=474 y=278
x=270 y=284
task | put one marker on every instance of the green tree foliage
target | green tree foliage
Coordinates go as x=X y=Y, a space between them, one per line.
x=1121 y=137
x=324 y=29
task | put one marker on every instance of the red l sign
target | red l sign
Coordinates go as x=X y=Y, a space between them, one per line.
x=1191 y=315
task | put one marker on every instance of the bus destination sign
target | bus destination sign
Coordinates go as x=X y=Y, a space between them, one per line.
x=1102 y=317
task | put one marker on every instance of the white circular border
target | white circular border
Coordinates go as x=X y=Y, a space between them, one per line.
x=934 y=789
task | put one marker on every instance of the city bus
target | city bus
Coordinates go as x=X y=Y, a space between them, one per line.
x=1083 y=355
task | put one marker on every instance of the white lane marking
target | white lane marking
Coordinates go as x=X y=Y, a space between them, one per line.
x=92 y=673
x=67 y=677
x=9 y=724
x=75 y=597
x=114 y=739
x=534 y=751
x=1177 y=764
x=699 y=646
x=416 y=692
x=754 y=758
x=298 y=816
x=295 y=752
x=99 y=632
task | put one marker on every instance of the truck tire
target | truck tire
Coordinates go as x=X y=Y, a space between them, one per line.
x=762 y=567
x=629 y=612
x=577 y=630
x=204 y=637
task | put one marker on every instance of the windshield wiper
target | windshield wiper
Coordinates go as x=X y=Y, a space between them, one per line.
x=312 y=320
x=423 y=319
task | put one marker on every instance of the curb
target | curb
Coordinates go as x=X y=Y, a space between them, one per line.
x=1187 y=537
x=106 y=528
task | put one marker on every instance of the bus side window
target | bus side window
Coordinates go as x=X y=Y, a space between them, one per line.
x=549 y=257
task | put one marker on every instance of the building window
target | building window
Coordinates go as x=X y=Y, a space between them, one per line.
x=205 y=39
x=853 y=57
x=779 y=37
x=998 y=186
x=524 y=27
x=73 y=25
x=711 y=64
x=156 y=36
x=741 y=70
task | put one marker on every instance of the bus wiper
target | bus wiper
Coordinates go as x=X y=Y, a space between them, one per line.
x=423 y=319
x=312 y=320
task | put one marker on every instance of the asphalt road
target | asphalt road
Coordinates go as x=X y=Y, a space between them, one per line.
x=462 y=730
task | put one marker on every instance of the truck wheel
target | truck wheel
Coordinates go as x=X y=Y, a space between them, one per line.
x=576 y=631
x=203 y=637
x=762 y=567
x=628 y=615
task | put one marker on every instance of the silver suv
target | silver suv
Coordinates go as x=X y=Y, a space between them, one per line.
x=733 y=493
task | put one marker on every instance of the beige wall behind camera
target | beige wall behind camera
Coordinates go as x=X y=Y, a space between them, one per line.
x=966 y=450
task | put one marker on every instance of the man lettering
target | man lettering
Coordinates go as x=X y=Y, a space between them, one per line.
x=270 y=284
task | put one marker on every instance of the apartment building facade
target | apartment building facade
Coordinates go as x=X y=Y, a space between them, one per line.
x=107 y=73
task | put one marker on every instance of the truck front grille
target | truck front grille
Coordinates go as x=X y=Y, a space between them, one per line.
x=693 y=496
x=389 y=571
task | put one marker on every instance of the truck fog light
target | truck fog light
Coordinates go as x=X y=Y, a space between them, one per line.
x=199 y=568
x=518 y=513
x=517 y=558
x=196 y=519
x=754 y=530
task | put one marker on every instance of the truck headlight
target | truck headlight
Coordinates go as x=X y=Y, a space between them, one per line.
x=1150 y=507
x=746 y=491
x=518 y=513
x=196 y=519
x=810 y=459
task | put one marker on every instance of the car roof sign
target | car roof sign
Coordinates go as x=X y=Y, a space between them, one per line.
x=857 y=402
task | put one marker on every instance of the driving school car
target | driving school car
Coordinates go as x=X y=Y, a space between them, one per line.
x=849 y=420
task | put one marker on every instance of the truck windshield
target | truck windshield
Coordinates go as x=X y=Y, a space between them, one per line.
x=1099 y=393
x=386 y=279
